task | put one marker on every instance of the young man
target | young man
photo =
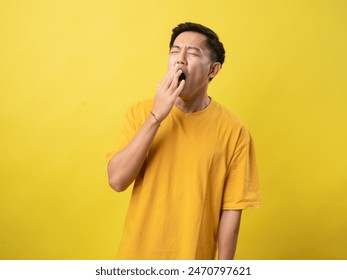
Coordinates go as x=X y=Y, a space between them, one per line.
x=192 y=160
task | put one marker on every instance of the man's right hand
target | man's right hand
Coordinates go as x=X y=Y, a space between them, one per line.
x=125 y=165
x=167 y=93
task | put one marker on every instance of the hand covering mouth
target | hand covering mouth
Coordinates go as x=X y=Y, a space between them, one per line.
x=182 y=77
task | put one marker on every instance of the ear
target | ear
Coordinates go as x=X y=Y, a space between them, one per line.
x=214 y=69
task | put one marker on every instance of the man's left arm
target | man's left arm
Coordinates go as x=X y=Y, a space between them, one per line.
x=228 y=232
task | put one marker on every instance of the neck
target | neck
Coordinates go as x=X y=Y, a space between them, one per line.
x=192 y=105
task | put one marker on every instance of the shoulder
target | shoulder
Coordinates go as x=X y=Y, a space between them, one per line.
x=140 y=109
x=230 y=127
x=225 y=117
x=142 y=105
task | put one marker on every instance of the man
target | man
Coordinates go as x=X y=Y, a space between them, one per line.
x=192 y=160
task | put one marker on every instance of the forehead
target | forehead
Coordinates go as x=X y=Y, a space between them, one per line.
x=190 y=38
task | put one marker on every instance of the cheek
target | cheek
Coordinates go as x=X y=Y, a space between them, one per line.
x=171 y=61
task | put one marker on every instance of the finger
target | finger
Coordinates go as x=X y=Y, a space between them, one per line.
x=168 y=77
x=175 y=79
x=171 y=76
x=179 y=89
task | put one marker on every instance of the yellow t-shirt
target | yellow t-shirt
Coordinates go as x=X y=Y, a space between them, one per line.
x=198 y=164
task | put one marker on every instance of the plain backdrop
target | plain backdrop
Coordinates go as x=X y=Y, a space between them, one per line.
x=69 y=70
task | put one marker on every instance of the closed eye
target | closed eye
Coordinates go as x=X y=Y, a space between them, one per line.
x=174 y=50
x=193 y=53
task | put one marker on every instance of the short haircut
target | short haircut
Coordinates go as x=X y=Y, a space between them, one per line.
x=212 y=42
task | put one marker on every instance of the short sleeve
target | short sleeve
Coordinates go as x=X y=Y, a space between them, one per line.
x=241 y=188
x=128 y=132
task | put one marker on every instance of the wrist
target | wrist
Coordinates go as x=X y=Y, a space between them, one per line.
x=155 y=118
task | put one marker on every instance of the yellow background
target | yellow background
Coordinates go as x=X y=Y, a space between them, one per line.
x=70 y=69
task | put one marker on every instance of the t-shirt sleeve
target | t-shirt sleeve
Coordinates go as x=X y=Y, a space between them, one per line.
x=241 y=188
x=127 y=133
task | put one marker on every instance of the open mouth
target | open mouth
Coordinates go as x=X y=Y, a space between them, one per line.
x=182 y=77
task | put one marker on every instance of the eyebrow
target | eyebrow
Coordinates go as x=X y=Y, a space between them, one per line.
x=188 y=48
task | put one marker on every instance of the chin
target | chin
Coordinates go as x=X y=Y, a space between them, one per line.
x=183 y=95
x=185 y=91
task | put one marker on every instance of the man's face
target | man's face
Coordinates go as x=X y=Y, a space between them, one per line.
x=189 y=50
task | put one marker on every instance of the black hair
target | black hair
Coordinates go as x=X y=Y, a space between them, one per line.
x=212 y=42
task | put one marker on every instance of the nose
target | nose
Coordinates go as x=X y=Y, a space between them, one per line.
x=181 y=59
